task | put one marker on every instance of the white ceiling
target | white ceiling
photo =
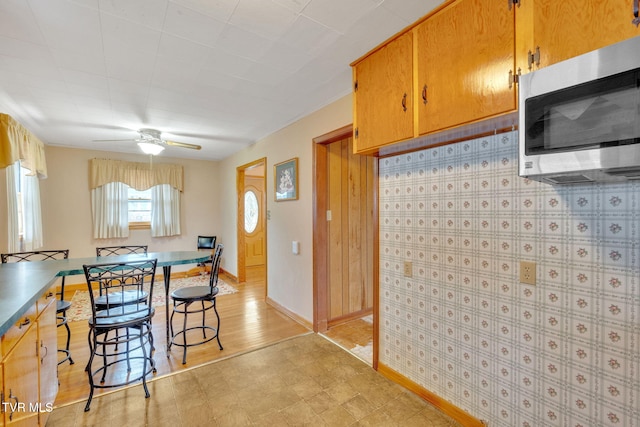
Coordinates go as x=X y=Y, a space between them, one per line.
x=218 y=73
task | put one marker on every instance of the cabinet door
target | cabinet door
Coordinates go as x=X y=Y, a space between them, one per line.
x=2 y=409
x=465 y=53
x=21 y=381
x=48 y=359
x=564 y=29
x=383 y=110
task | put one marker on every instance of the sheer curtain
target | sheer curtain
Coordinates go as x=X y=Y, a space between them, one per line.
x=165 y=211
x=24 y=210
x=109 y=206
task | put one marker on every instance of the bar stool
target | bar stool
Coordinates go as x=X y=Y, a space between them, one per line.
x=183 y=299
x=133 y=338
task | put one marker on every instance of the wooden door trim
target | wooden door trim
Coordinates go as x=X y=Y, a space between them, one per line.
x=240 y=174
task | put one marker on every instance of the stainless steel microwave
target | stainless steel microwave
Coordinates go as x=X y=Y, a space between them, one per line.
x=579 y=120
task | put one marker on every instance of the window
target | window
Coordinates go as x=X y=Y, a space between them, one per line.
x=250 y=211
x=113 y=197
x=139 y=204
x=23 y=207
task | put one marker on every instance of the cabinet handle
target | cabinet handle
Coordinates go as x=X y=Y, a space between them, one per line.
x=49 y=295
x=25 y=322
x=12 y=397
x=404 y=102
x=636 y=20
x=424 y=95
x=46 y=351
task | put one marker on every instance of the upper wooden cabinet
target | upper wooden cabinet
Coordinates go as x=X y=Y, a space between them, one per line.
x=568 y=28
x=464 y=55
x=383 y=86
x=455 y=65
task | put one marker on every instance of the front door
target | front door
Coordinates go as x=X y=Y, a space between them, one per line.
x=254 y=222
x=252 y=225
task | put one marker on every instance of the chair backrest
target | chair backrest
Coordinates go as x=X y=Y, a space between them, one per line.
x=215 y=267
x=133 y=278
x=206 y=242
x=121 y=250
x=39 y=256
x=35 y=256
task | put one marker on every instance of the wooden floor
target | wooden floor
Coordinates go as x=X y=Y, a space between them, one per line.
x=247 y=323
x=350 y=334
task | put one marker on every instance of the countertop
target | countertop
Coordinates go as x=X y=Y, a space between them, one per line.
x=22 y=283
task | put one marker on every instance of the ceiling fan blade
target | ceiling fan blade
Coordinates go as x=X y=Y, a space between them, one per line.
x=113 y=140
x=183 y=145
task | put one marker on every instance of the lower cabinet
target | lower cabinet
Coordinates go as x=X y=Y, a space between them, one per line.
x=21 y=388
x=29 y=367
x=1 y=391
x=47 y=360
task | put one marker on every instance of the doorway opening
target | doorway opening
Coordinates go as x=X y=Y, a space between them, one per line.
x=252 y=224
x=345 y=248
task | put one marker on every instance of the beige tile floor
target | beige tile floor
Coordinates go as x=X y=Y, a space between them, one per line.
x=306 y=380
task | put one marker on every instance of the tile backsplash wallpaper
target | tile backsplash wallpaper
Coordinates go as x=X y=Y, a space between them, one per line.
x=565 y=352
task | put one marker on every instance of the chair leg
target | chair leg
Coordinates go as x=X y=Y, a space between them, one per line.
x=204 y=330
x=151 y=359
x=215 y=309
x=66 y=325
x=144 y=359
x=91 y=351
x=127 y=351
x=184 y=329
x=63 y=322
x=92 y=345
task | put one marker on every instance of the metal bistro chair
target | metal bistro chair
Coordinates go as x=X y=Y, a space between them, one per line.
x=127 y=298
x=183 y=299
x=121 y=250
x=61 y=304
x=117 y=297
x=131 y=322
x=206 y=243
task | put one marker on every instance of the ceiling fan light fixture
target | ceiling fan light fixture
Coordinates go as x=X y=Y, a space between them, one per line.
x=150 y=148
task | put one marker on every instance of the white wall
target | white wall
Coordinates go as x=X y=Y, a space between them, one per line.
x=290 y=277
x=66 y=204
x=209 y=205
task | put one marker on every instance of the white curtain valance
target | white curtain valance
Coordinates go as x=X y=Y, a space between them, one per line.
x=17 y=143
x=140 y=176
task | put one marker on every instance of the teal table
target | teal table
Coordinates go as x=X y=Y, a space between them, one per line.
x=22 y=283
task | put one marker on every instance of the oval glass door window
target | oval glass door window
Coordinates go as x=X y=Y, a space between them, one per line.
x=250 y=211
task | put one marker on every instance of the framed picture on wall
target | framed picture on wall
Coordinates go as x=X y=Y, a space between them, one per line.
x=285 y=176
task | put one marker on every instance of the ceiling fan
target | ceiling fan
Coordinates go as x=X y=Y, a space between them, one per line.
x=150 y=142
